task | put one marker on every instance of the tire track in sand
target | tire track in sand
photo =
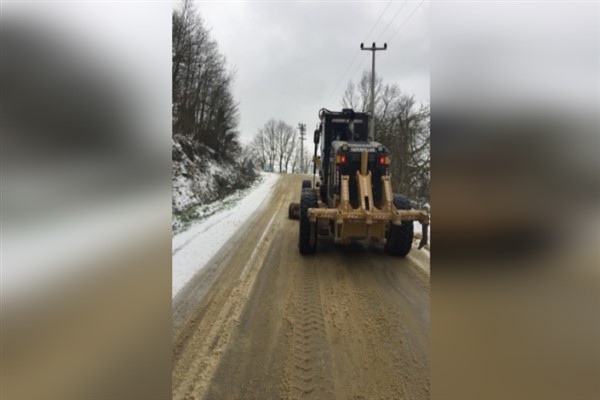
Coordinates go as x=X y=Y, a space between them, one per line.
x=309 y=364
x=203 y=348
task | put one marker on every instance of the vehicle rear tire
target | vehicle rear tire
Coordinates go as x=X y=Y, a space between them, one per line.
x=306 y=184
x=308 y=231
x=400 y=237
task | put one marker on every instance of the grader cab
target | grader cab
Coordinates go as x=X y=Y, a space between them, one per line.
x=353 y=199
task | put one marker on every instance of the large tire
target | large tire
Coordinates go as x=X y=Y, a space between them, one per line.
x=400 y=237
x=306 y=184
x=308 y=199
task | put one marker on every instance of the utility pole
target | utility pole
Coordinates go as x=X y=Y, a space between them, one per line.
x=373 y=49
x=302 y=128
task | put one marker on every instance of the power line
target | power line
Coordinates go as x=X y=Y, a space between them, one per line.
x=379 y=19
x=343 y=76
x=391 y=20
x=358 y=51
x=359 y=67
x=406 y=20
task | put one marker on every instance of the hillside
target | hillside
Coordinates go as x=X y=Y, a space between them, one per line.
x=200 y=177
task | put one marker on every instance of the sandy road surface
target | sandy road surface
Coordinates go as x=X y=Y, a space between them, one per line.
x=262 y=322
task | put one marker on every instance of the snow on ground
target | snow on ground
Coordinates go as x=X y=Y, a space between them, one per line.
x=193 y=248
x=418 y=229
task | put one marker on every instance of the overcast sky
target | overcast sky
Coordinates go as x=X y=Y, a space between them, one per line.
x=290 y=57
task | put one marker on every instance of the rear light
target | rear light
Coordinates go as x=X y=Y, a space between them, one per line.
x=384 y=160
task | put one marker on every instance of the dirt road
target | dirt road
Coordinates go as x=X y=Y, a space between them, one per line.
x=263 y=322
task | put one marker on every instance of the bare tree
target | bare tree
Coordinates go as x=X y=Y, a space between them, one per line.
x=404 y=127
x=287 y=144
x=358 y=97
x=351 y=99
x=297 y=166
x=203 y=104
x=276 y=143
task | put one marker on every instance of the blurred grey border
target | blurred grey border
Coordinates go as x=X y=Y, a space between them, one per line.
x=515 y=195
x=86 y=200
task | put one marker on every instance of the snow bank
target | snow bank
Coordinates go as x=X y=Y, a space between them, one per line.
x=193 y=248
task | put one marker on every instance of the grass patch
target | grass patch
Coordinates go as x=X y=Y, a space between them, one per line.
x=182 y=220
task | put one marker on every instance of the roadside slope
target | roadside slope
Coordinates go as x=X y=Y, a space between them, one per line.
x=193 y=248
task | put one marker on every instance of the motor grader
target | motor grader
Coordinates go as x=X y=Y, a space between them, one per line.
x=353 y=199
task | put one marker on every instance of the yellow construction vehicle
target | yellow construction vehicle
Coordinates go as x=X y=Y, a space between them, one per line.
x=353 y=199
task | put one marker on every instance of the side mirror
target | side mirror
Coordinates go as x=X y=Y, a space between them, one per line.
x=316 y=137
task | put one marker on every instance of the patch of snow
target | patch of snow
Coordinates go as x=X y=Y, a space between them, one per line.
x=418 y=230
x=193 y=248
x=183 y=194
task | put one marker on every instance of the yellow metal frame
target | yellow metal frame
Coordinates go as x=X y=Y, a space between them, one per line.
x=366 y=221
